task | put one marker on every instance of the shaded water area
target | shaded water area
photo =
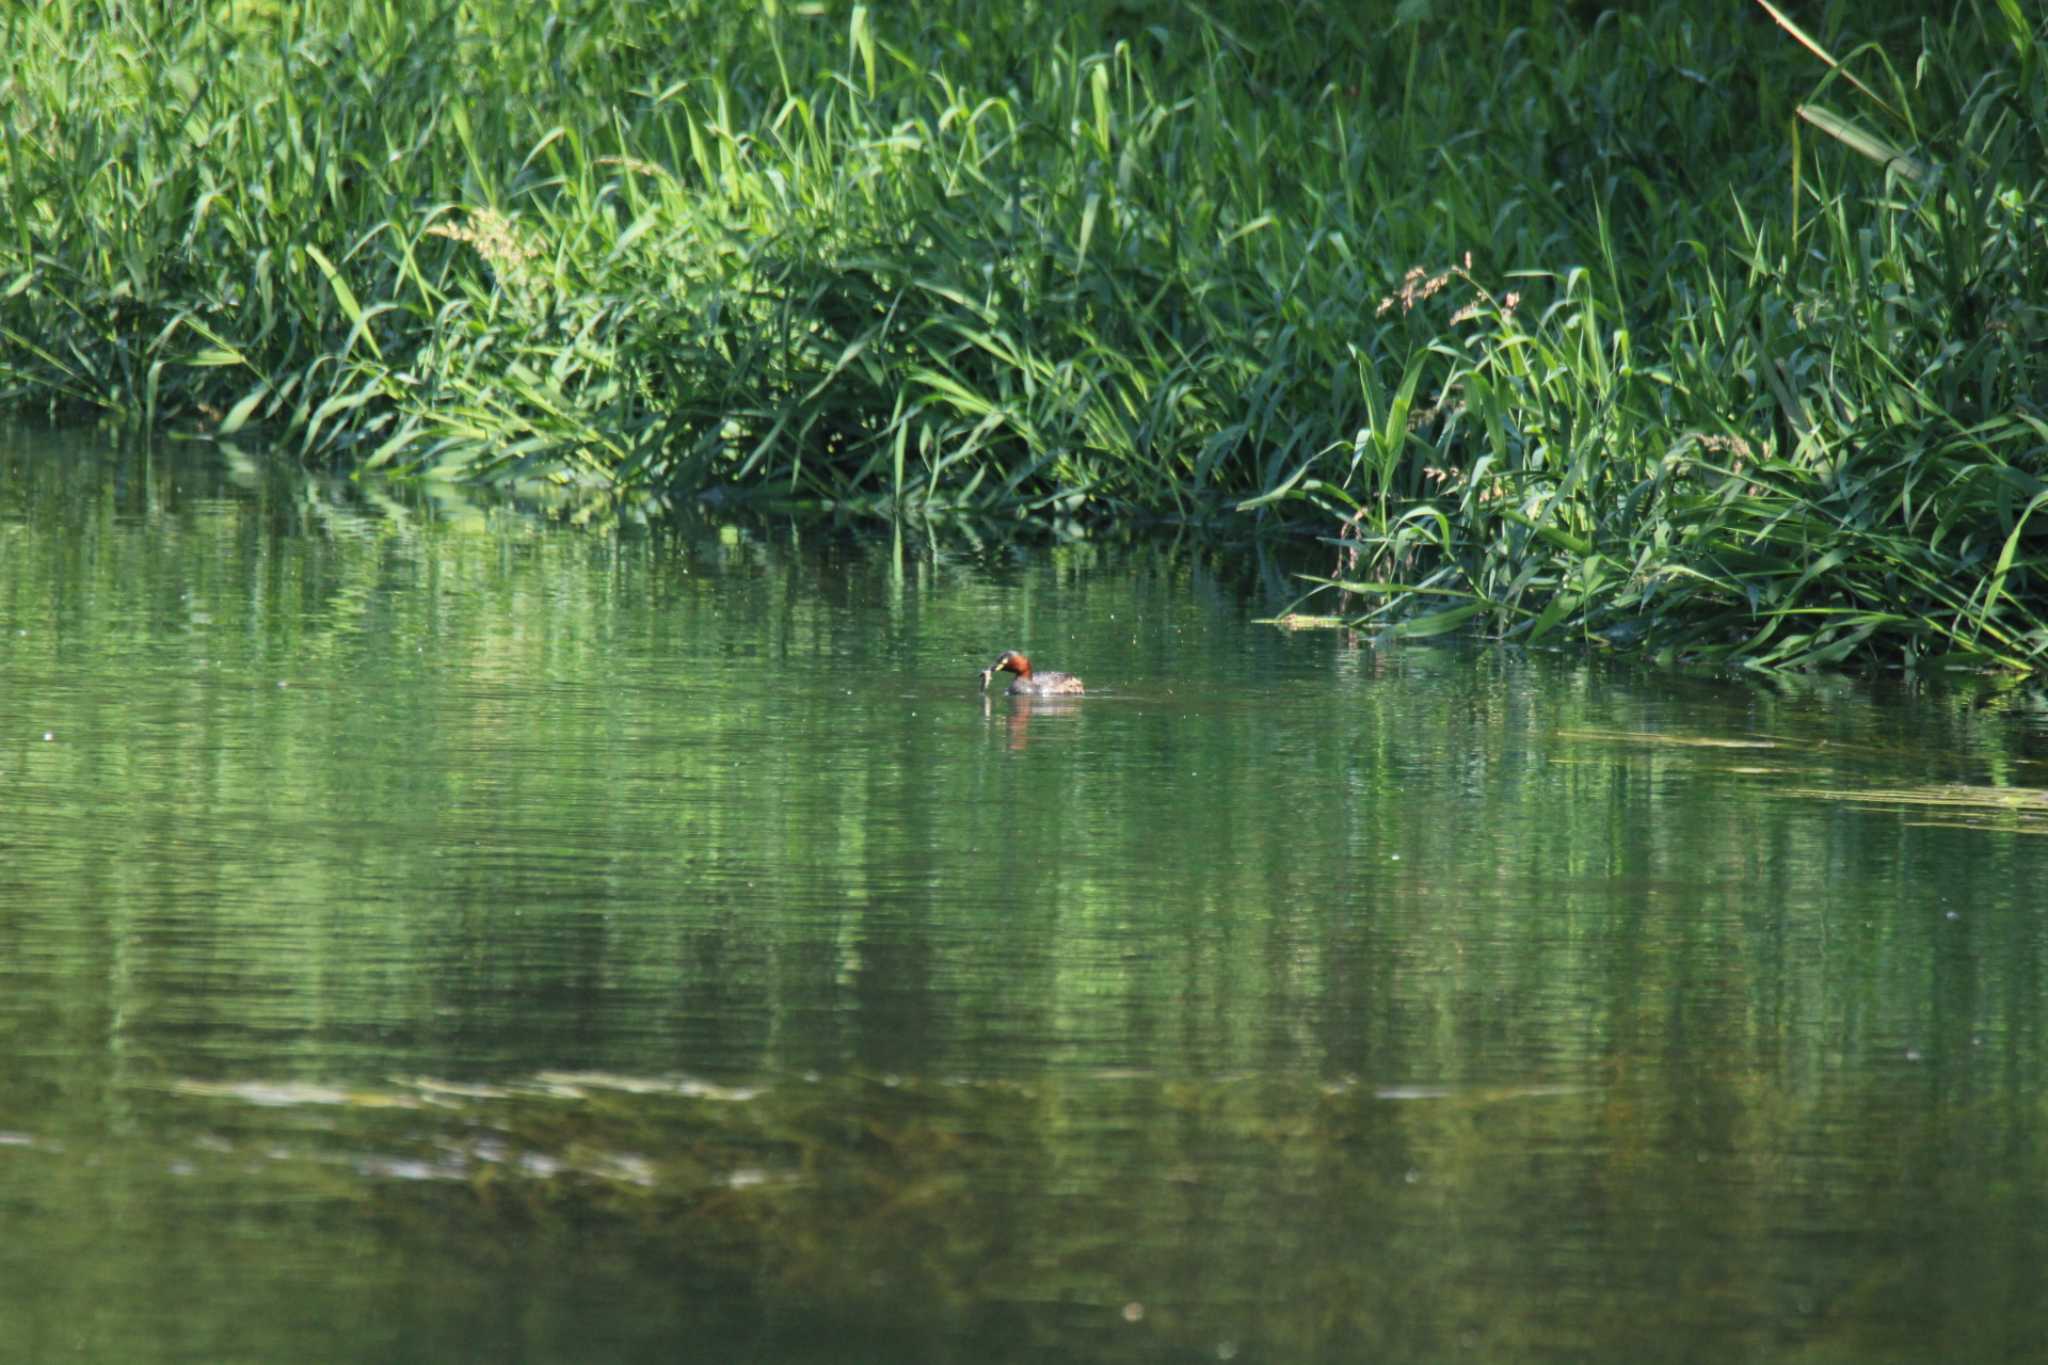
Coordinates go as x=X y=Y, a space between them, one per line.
x=431 y=932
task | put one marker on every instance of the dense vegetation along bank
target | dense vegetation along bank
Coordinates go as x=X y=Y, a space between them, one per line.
x=1652 y=327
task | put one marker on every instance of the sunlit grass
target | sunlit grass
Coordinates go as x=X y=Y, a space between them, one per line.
x=1678 y=330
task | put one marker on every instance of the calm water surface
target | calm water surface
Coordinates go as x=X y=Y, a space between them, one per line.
x=431 y=932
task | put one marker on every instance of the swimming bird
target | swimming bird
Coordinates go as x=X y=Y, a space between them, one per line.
x=1029 y=683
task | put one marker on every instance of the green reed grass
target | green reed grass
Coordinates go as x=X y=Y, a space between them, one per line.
x=1649 y=328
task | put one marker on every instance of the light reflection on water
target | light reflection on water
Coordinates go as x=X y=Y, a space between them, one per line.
x=657 y=932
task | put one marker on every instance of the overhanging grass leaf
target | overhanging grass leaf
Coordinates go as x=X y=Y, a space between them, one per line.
x=1863 y=142
x=1438 y=623
x=238 y=415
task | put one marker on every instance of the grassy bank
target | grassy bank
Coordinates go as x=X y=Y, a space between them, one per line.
x=1561 y=326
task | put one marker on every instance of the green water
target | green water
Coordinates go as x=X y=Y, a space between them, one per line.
x=439 y=932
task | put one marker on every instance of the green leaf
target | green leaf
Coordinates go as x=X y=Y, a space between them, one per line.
x=1561 y=605
x=1438 y=623
x=2005 y=558
x=238 y=415
x=344 y=296
x=1098 y=90
x=1863 y=142
x=861 y=36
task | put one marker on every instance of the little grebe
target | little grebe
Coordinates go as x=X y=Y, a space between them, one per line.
x=1028 y=683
